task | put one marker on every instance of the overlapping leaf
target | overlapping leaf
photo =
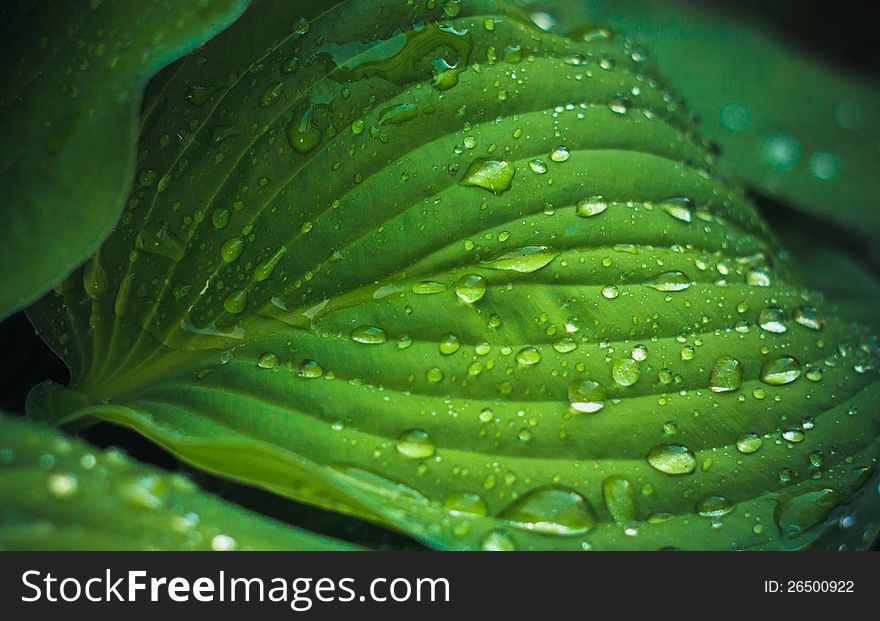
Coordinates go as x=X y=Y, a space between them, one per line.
x=474 y=281
x=73 y=75
x=788 y=122
x=57 y=493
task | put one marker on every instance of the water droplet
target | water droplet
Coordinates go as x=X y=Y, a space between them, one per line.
x=619 y=105
x=565 y=344
x=231 y=249
x=428 y=287
x=415 y=444
x=672 y=459
x=782 y=370
x=678 y=208
x=302 y=134
x=726 y=375
x=625 y=371
x=449 y=344
x=309 y=369
x=462 y=503
x=223 y=543
x=524 y=260
x=497 y=541
x=470 y=288
x=586 y=396
x=551 y=511
x=268 y=360
x=715 y=506
x=794 y=435
x=236 y=302
x=371 y=335
x=63 y=484
x=670 y=281
x=157 y=238
x=538 y=166
x=560 y=154
x=809 y=317
x=748 y=443
x=620 y=499
x=590 y=206
x=489 y=174
x=610 y=292
x=772 y=319
x=271 y=94
x=528 y=356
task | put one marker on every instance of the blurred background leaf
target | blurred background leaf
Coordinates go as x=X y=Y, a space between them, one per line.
x=72 y=77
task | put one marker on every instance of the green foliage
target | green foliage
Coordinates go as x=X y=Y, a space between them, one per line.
x=58 y=493
x=788 y=123
x=477 y=282
x=73 y=75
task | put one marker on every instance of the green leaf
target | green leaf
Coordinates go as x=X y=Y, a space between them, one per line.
x=73 y=77
x=476 y=282
x=57 y=493
x=791 y=124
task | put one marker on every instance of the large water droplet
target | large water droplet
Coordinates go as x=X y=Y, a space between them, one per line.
x=726 y=375
x=415 y=444
x=551 y=511
x=470 y=288
x=524 y=260
x=590 y=206
x=809 y=317
x=371 y=335
x=748 y=443
x=782 y=370
x=463 y=503
x=489 y=174
x=670 y=281
x=620 y=499
x=714 y=506
x=586 y=396
x=678 y=208
x=625 y=371
x=672 y=459
x=772 y=319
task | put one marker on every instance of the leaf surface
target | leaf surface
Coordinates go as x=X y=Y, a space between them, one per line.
x=73 y=76
x=474 y=281
x=57 y=493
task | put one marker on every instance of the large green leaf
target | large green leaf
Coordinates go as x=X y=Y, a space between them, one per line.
x=57 y=493
x=787 y=121
x=73 y=75
x=474 y=281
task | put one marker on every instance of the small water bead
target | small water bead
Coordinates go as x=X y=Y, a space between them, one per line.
x=528 y=356
x=640 y=353
x=497 y=541
x=309 y=369
x=449 y=344
x=523 y=260
x=415 y=444
x=679 y=208
x=715 y=506
x=268 y=360
x=809 y=317
x=814 y=374
x=493 y=175
x=586 y=396
x=470 y=288
x=794 y=435
x=370 y=335
x=726 y=375
x=748 y=443
x=63 y=484
x=620 y=499
x=772 y=319
x=590 y=206
x=625 y=371
x=538 y=166
x=670 y=281
x=781 y=371
x=610 y=292
x=465 y=504
x=551 y=511
x=560 y=154
x=672 y=459
x=817 y=459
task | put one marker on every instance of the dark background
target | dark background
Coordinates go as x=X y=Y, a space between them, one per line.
x=844 y=32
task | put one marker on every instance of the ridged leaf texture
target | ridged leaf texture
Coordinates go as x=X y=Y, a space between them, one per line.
x=478 y=282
